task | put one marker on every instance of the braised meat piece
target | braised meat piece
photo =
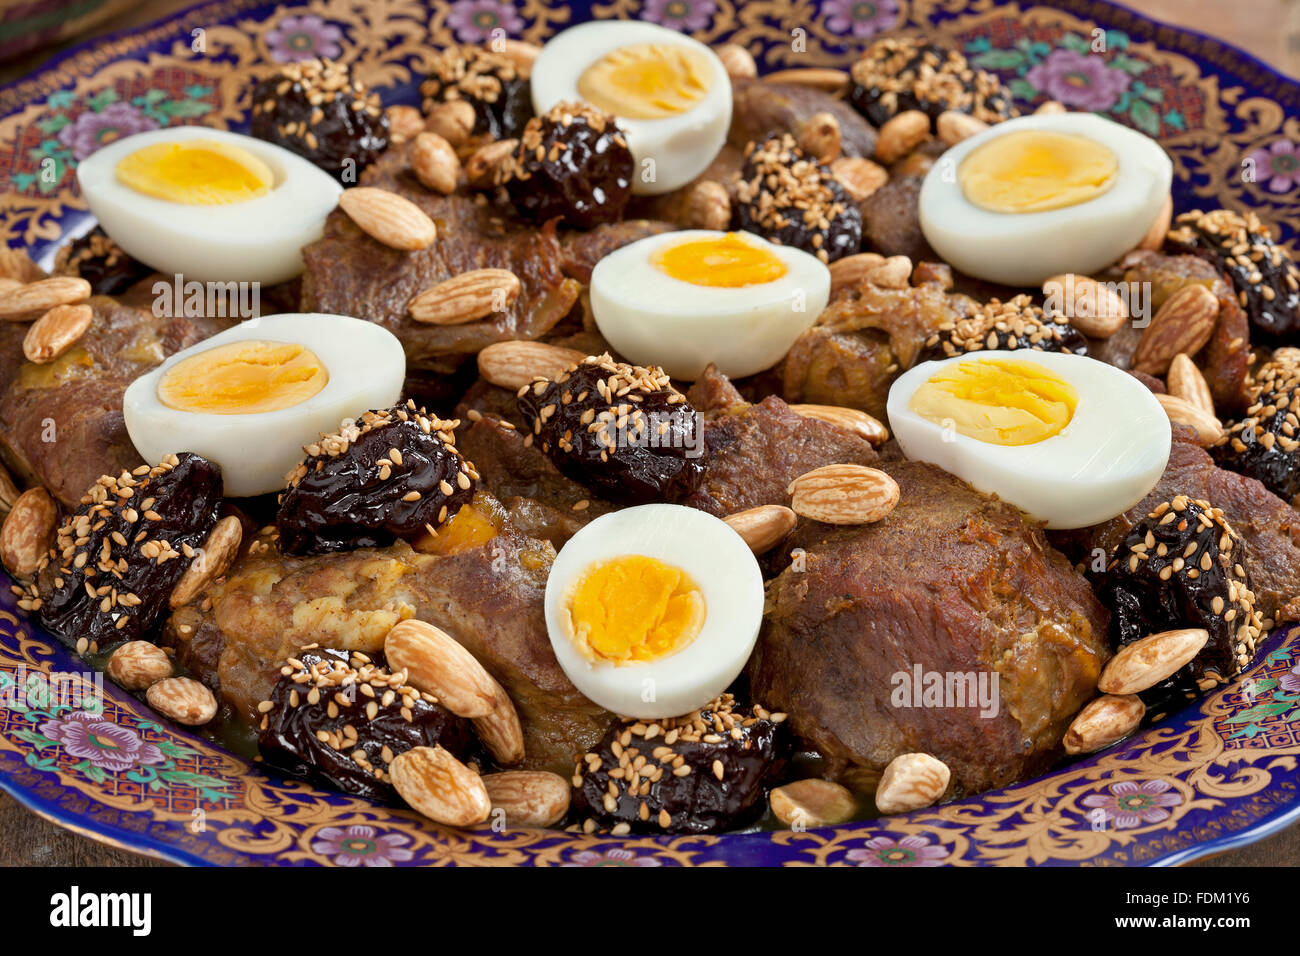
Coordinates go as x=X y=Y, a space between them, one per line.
x=953 y=583
x=583 y=249
x=61 y=423
x=762 y=110
x=1267 y=524
x=351 y=274
x=487 y=594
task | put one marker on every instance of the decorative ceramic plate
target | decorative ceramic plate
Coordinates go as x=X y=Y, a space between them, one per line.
x=1222 y=773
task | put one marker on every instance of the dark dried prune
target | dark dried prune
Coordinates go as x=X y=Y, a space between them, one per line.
x=1265 y=277
x=393 y=473
x=620 y=429
x=366 y=716
x=1264 y=444
x=101 y=262
x=898 y=74
x=790 y=199
x=1184 y=566
x=700 y=773
x=316 y=109
x=1014 y=324
x=116 y=559
x=572 y=164
x=490 y=82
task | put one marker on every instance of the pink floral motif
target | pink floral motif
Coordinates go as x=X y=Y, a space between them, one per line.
x=295 y=39
x=611 y=857
x=1290 y=682
x=104 y=744
x=684 y=15
x=1081 y=80
x=1130 y=805
x=474 y=20
x=861 y=18
x=91 y=130
x=1278 y=165
x=909 y=851
x=361 y=845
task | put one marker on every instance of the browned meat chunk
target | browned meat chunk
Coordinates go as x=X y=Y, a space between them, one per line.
x=488 y=597
x=952 y=583
x=762 y=110
x=582 y=250
x=1270 y=527
x=352 y=274
x=61 y=423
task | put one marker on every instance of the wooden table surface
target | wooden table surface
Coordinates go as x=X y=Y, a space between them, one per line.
x=1268 y=28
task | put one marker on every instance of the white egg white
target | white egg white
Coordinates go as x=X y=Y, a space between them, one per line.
x=1103 y=462
x=257 y=240
x=654 y=319
x=720 y=563
x=366 y=366
x=1023 y=249
x=682 y=146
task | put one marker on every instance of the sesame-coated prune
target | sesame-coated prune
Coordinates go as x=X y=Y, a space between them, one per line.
x=116 y=559
x=392 y=473
x=365 y=715
x=101 y=262
x=1184 y=566
x=1014 y=324
x=573 y=164
x=316 y=109
x=1265 y=444
x=898 y=74
x=700 y=773
x=1263 y=274
x=790 y=199
x=620 y=429
x=490 y=82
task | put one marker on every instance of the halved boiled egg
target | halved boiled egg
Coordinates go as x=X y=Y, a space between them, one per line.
x=670 y=93
x=249 y=398
x=681 y=300
x=211 y=205
x=1043 y=195
x=653 y=611
x=1070 y=440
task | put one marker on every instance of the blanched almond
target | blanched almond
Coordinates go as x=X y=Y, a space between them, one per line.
x=708 y=206
x=1090 y=306
x=433 y=782
x=812 y=803
x=1146 y=662
x=16 y=265
x=859 y=176
x=389 y=218
x=520 y=52
x=500 y=731
x=183 y=700
x=762 y=527
x=439 y=665
x=1183 y=324
x=843 y=494
x=1208 y=428
x=404 y=123
x=8 y=492
x=849 y=272
x=513 y=365
x=737 y=61
x=911 y=782
x=56 y=331
x=953 y=126
x=138 y=665
x=28 y=532
x=901 y=134
x=435 y=163
x=452 y=120
x=850 y=419
x=1185 y=381
x=467 y=297
x=28 y=301
x=213 y=560
x=822 y=78
x=530 y=798
x=481 y=167
x=894 y=273
x=1050 y=107
x=819 y=137
x=1106 y=720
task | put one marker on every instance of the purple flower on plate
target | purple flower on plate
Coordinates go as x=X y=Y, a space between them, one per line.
x=683 y=15
x=1131 y=805
x=295 y=39
x=611 y=857
x=861 y=18
x=474 y=20
x=1290 y=681
x=909 y=851
x=1277 y=165
x=105 y=744
x=91 y=130
x=1079 y=79
x=360 y=845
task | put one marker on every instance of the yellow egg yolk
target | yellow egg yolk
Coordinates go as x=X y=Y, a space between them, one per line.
x=728 y=262
x=243 y=378
x=1037 y=170
x=197 y=172
x=647 y=81
x=999 y=401
x=634 y=608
